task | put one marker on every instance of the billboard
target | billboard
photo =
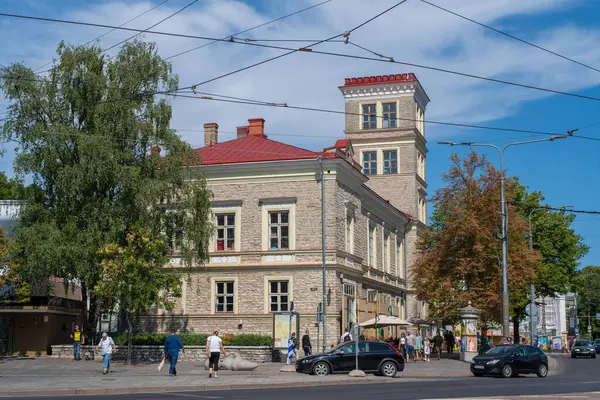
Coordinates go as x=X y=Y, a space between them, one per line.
x=281 y=329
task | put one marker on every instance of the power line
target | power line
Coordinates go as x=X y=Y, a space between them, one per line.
x=241 y=100
x=309 y=50
x=156 y=24
x=112 y=30
x=377 y=16
x=511 y=36
x=249 y=29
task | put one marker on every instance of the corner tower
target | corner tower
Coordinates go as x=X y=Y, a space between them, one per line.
x=385 y=120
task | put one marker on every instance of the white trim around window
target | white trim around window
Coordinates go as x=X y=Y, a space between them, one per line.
x=237 y=211
x=278 y=207
x=213 y=293
x=267 y=290
x=380 y=160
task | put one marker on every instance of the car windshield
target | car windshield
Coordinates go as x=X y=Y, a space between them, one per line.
x=501 y=350
x=597 y=341
x=582 y=343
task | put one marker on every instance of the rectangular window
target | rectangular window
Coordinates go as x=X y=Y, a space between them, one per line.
x=349 y=232
x=279 y=228
x=389 y=115
x=386 y=252
x=279 y=296
x=399 y=258
x=390 y=162
x=225 y=232
x=371 y=296
x=370 y=163
x=372 y=247
x=369 y=116
x=174 y=231
x=224 y=293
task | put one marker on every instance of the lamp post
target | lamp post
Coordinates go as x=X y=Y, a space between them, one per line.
x=532 y=290
x=504 y=214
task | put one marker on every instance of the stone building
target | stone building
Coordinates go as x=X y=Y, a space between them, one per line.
x=267 y=250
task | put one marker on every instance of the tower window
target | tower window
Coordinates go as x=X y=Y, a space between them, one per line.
x=369 y=116
x=389 y=115
x=390 y=162
x=370 y=163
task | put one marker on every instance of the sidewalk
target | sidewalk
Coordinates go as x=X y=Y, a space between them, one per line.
x=46 y=376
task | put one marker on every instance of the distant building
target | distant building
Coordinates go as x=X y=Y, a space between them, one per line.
x=30 y=329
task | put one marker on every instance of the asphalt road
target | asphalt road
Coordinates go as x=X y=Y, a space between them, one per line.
x=579 y=376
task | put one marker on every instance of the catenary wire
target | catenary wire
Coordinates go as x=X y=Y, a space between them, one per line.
x=110 y=31
x=308 y=50
x=249 y=29
x=156 y=24
x=511 y=36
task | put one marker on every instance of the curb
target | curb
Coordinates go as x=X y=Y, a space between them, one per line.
x=201 y=388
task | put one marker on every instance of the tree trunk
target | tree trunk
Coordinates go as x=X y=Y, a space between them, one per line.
x=129 y=338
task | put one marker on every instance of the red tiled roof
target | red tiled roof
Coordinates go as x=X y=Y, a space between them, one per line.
x=379 y=79
x=251 y=148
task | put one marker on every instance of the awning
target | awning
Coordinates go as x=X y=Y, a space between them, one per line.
x=382 y=321
x=418 y=321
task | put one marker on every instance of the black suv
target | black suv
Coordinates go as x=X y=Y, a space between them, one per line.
x=510 y=361
x=373 y=357
x=597 y=346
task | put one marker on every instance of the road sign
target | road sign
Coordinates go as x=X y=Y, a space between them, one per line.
x=532 y=310
x=589 y=329
x=598 y=315
x=572 y=323
x=576 y=331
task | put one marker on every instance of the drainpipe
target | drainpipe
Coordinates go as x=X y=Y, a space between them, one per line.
x=405 y=244
x=323 y=255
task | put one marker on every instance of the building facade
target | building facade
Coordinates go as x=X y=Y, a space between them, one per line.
x=267 y=253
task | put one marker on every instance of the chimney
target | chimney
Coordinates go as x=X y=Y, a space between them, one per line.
x=256 y=127
x=242 y=131
x=211 y=134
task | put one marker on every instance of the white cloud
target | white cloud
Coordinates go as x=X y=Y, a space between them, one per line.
x=413 y=32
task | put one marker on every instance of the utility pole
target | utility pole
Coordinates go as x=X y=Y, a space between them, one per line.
x=323 y=254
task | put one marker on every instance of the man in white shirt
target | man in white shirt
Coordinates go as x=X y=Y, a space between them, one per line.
x=108 y=348
x=214 y=348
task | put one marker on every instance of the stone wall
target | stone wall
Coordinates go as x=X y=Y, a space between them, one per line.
x=141 y=354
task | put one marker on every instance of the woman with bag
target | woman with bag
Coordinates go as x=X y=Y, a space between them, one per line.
x=108 y=347
x=214 y=348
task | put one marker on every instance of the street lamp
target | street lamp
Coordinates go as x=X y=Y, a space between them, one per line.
x=505 y=299
x=532 y=289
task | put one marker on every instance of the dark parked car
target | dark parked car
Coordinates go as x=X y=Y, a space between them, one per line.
x=583 y=348
x=597 y=346
x=373 y=357
x=510 y=361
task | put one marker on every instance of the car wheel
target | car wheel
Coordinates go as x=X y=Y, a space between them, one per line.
x=507 y=371
x=388 y=369
x=321 y=369
x=542 y=371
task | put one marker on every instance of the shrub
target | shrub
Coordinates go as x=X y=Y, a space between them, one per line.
x=158 y=339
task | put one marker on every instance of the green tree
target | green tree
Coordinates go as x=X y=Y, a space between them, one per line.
x=460 y=258
x=560 y=247
x=134 y=277
x=13 y=289
x=97 y=143
x=587 y=284
x=11 y=188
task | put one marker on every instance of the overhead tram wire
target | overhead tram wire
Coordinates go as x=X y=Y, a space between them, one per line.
x=241 y=100
x=107 y=33
x=249 y=29
x=156 y=24
x=511 y=36
x=308 y=50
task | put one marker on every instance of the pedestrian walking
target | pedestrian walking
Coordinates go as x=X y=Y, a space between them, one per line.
x=437 y=343
x=403 y=344
x=306 y=345
x=410 y=346
x=427 y=349
x=214 y=348
x=419 y=348
x=292 y=349
x=171 y=351
x=78 y=339
x=450 y=342
x=108 y=348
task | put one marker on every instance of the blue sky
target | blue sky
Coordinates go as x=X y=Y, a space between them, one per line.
x=567 y=171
